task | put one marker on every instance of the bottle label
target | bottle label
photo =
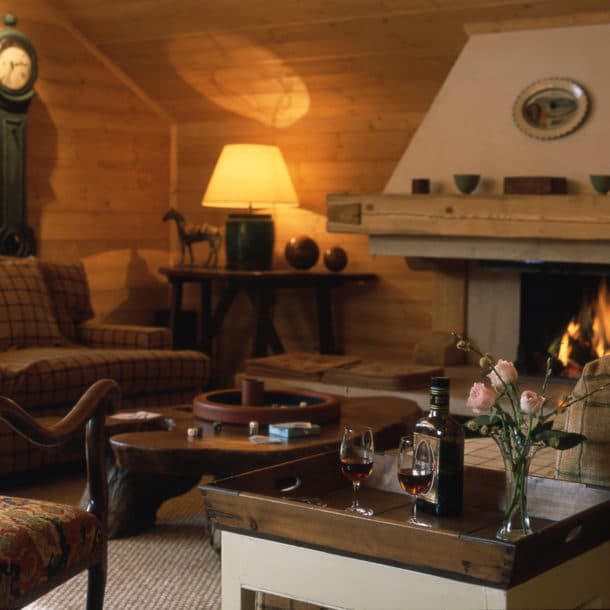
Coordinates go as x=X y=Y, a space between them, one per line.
x=434 y=443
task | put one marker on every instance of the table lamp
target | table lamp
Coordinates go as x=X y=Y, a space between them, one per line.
x=250 y=176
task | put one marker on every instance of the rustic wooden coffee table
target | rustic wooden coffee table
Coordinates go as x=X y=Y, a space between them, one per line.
x=152 y=466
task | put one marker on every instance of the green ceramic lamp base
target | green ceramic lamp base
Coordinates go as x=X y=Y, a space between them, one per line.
x=249 y=242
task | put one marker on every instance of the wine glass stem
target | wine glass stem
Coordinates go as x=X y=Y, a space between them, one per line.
x=356 y=487
x=414 y=512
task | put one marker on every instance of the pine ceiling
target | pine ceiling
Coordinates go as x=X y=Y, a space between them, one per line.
x=198 y=58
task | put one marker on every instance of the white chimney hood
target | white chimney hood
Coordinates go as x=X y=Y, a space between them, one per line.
x=470 y=129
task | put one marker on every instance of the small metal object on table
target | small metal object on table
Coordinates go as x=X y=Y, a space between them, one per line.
x=261 y=287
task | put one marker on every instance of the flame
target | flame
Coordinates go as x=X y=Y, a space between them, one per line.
x=588 y=332
x=571 y=332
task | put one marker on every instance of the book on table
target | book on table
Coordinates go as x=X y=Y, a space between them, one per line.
x=294 y=429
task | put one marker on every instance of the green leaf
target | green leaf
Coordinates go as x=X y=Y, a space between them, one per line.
x=483 y=424
x=539 y=428
x=557 y=439
x=486 y=420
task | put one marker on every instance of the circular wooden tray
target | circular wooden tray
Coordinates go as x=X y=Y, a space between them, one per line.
x=280 y=406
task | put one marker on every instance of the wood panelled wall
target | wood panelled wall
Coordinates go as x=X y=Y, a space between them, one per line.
x=331 y=154
x=355 y=92
x=339 y=85
x=97 y=171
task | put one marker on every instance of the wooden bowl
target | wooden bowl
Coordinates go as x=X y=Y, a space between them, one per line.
x=279 y=406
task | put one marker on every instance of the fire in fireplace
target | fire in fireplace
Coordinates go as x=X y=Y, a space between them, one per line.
x=565 y=313
x=587 y=335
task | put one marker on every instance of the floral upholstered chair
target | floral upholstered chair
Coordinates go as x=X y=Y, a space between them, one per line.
x=43 y=544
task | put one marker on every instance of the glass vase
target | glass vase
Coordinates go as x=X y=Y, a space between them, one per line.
x=517 y=460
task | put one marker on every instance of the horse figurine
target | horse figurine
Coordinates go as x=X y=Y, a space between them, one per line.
x=190 y=233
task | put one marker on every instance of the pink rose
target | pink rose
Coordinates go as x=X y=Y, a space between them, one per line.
x=504 y=371
x=481 y=398
x=530 y=402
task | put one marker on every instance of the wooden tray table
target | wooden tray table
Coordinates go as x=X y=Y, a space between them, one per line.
x=451 y=562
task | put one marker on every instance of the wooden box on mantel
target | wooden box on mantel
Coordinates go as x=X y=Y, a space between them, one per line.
x=302 y=503
x=535 y=185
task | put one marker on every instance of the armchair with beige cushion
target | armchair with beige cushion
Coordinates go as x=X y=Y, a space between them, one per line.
x=51 y=350
x=589 y=462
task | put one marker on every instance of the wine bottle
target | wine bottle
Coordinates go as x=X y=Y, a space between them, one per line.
x=445 y=436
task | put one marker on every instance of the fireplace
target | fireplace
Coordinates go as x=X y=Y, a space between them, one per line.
x=564 y=313
x=450 y=233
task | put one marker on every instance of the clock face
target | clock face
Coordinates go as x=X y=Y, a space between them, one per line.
x=15 y=67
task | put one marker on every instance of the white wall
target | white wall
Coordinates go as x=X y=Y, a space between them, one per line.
x=469 y=127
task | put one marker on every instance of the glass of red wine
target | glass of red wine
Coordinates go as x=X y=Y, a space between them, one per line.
x=415 y=470
x=356 y=456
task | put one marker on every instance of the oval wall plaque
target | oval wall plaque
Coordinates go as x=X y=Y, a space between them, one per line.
x=551 y=108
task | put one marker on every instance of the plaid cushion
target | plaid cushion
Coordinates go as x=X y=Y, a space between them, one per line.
x=38 y=378
x=26 y=316
x=95 y=334
x=588 y=462
x=70 y=298
x=42 y=542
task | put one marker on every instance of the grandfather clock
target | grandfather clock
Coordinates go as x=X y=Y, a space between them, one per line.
x=18 y=71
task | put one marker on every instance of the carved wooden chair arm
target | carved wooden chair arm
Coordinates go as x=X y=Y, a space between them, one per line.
x=101 y=398
x=56 y=434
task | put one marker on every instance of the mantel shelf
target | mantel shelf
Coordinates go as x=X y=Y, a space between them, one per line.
x=576 y=217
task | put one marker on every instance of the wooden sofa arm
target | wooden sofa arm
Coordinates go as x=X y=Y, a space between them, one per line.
x=124 y=336
x=101 y=398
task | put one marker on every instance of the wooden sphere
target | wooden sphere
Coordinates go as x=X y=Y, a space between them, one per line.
x=335 y=259
x=302 y=252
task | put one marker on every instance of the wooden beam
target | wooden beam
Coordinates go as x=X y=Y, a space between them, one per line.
x=579 y=217
x=537 y=23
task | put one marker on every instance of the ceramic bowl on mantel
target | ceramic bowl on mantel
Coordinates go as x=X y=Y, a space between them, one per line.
x=466 y=183
x=601 y=183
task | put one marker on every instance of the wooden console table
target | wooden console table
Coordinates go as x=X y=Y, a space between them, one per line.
x=260 y=287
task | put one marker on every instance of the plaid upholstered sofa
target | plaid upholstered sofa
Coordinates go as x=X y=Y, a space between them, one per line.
x=51 y=351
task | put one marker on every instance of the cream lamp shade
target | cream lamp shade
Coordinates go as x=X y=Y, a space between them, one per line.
x=250 y=176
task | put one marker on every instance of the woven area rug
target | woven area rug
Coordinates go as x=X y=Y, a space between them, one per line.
x=172 y=567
